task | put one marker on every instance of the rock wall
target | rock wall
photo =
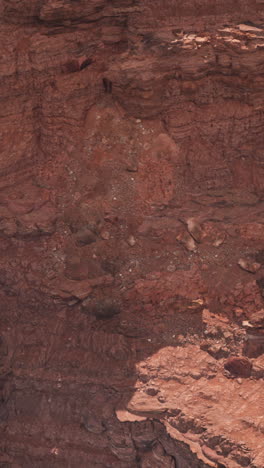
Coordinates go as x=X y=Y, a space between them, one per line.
x=131 y=233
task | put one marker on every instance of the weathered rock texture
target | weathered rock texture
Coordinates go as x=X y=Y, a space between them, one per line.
x=132 y=233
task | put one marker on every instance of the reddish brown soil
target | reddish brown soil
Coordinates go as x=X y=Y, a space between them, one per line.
x=132 y=233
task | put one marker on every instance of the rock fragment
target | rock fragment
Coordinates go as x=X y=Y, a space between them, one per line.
x=194 y=229
x=258 y=368
x=131 y=241
x=152 y=391
x=92 y=424
x=85 y=237
x=248 y=265
x=103 y=310
x=105 y=235
x=187 y=240
x=257 y=319
x=238 y=366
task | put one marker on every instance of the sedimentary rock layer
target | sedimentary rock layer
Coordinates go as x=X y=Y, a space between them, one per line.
x=132 y=241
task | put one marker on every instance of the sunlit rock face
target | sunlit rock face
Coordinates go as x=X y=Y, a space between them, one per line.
x=131 y=233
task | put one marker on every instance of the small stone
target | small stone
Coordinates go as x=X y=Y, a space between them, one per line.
x=227 y=335
x=54 y=451
x=196 y=375
x=239 y=366
x=131 y=241
x=92 y=424
x=249 y=28
x=105 y=235
x=73 y=302
x=201 y=40
x=194 y=229
x=132 y=167
x=171 y=268
x=257 y=319
x=258 y=367
x=161 y=399
x=248 y=265
x=152 y=391
x=187 y=240
x=144 y=378
x=238 y=312
x=85 y=237
x=218 y=242
x=181 y=339
x=214 y=349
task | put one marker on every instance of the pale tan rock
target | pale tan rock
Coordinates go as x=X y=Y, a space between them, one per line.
x=131 y=241
x=187 y=241
x=105 y=235
x=250 y=266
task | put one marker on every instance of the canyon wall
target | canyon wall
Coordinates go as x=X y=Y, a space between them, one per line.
x=131 y=233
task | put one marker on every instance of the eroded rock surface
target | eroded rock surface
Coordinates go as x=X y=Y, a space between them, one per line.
x=131 y=233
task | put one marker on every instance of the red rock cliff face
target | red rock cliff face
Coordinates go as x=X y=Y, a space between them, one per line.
x=132 y=237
